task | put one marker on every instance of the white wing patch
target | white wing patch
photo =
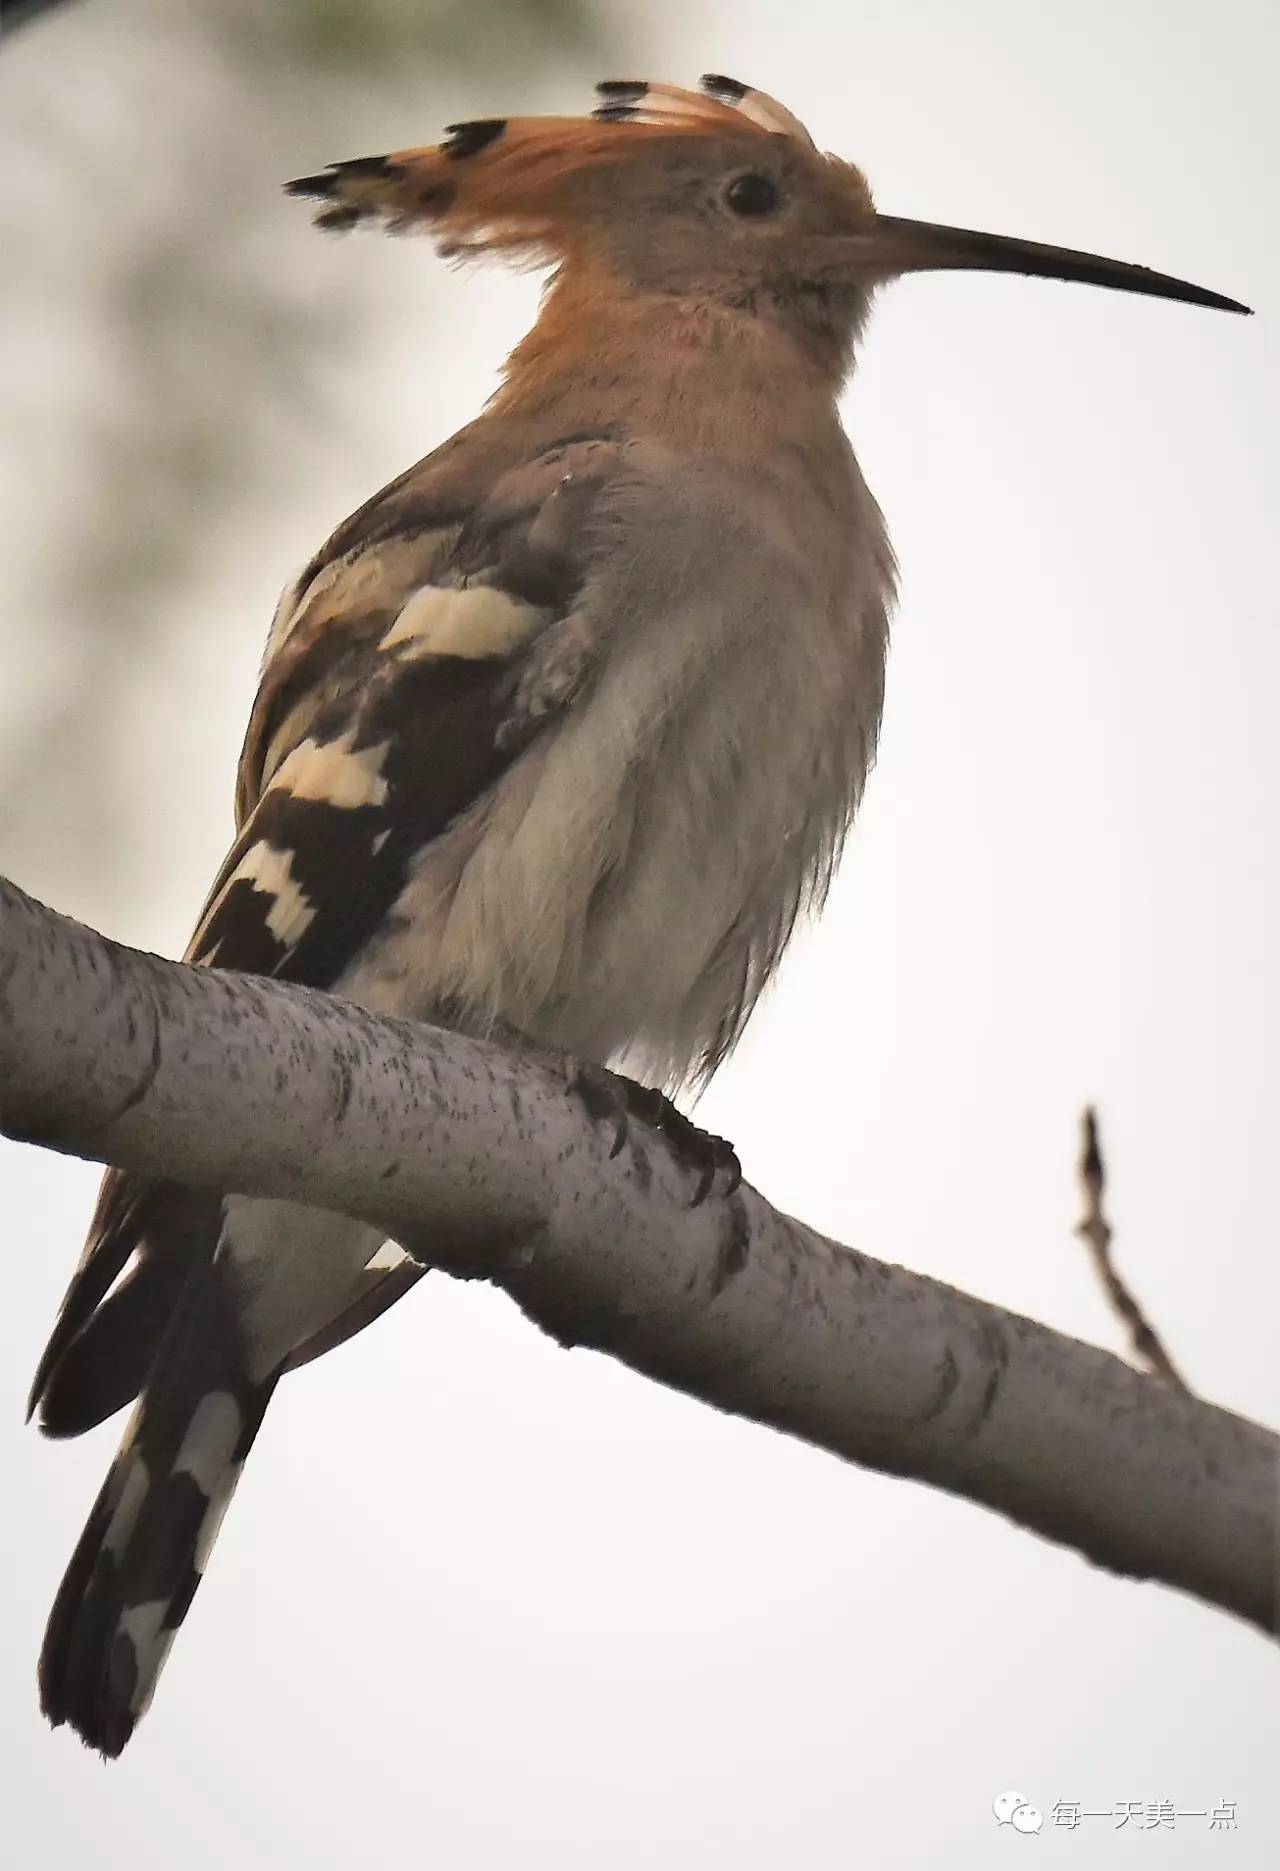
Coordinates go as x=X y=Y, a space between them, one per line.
x=271 y=870
x=472 y=620
x=336 y=772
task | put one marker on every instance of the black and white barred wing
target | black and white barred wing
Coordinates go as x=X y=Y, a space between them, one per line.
x=409 y=666
x=414 y=664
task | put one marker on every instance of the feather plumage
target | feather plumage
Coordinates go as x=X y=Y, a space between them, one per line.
x=559 y=733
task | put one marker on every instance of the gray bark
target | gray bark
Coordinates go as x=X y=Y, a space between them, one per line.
x=489 y=1163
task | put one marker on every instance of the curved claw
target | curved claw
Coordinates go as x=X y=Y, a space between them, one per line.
x=712 y=1156
x=616 y=1100
x=601 y=1092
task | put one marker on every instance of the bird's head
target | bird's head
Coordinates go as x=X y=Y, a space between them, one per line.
x=718 y=194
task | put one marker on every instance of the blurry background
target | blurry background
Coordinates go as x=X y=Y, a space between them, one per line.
x=481 y=1602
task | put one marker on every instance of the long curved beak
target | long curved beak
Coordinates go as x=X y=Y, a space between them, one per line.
x=892 y=246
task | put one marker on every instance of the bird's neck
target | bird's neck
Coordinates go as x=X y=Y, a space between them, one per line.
x=691 y=371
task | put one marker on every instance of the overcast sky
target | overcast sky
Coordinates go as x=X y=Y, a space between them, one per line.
x=483 y=1603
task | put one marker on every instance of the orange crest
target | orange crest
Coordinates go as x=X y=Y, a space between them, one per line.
x=513 y=184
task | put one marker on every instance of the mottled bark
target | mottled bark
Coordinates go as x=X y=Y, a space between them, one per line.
x=491 y=1164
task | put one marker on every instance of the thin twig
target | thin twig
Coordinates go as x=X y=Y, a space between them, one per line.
x=1095 y=1229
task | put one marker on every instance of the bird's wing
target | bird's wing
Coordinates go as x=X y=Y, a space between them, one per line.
x=413 y=661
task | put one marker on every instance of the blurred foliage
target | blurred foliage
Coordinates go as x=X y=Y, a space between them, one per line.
x=169 y=337
x=460 y=31
x=15 y=13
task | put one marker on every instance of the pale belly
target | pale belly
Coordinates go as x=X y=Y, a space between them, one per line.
x=626 y=896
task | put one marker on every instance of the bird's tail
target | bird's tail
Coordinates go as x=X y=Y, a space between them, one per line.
x=147 y=1541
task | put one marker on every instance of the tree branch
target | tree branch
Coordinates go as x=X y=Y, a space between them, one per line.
x=489 y=1164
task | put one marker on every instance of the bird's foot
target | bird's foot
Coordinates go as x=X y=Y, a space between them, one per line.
x=610 y=1098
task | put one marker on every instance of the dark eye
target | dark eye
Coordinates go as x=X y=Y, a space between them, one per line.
x=751 y=195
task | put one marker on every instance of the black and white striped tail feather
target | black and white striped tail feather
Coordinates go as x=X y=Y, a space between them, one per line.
x=144 y=1548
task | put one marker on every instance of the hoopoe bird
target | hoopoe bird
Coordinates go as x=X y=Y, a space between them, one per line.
x=555 y=738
